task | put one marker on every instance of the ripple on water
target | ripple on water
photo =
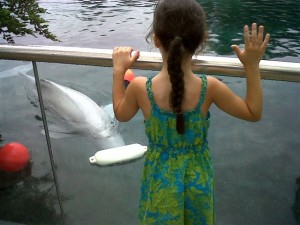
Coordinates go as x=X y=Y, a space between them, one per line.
x=99 y=19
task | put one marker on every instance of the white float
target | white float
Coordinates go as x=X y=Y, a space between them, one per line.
x=118 y=154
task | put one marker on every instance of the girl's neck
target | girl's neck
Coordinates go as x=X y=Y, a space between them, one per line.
x=186 y=64
x=186 y=67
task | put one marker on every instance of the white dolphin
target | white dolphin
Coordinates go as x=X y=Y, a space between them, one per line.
x=79 y=114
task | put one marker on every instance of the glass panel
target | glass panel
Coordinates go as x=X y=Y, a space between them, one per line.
x=27 y=195
x=256 y=164
x=109 y=194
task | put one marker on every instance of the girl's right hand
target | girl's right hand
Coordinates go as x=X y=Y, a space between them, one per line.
x=123 y=60
x=255 y=46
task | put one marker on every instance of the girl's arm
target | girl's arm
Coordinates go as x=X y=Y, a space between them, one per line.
x=124 y=101
x=249 y=108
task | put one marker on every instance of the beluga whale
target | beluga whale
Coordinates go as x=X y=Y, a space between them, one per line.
x=76 y=113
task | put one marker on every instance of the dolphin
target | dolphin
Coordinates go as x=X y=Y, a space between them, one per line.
x=78 y=114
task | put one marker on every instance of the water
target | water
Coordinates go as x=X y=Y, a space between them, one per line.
x=106 y=24
x=255 y=164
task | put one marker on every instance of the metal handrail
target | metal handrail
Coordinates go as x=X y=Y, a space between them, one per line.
x=271 y=70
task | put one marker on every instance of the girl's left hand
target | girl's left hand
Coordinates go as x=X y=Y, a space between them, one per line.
x=255 y=46
x=123 y=60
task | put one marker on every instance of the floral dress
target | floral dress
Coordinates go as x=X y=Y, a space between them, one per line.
x=177 y=184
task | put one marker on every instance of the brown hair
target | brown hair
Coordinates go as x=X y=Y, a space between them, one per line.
x=180 y=26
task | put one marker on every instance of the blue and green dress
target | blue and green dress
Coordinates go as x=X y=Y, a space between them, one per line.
x=178 y=183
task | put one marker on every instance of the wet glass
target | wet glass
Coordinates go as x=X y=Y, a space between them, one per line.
x=28 y=195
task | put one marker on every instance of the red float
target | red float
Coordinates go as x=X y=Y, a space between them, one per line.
x=13 y=157
x=129 y=75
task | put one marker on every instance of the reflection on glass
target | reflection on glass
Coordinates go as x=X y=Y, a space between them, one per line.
x=27 y=199
x=27 y=196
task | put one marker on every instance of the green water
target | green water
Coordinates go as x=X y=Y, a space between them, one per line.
x=105 y=24
x=280 y=18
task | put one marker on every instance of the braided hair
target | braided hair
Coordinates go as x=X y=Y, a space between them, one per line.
x=180 y=26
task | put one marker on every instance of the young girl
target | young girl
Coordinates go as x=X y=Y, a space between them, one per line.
x=177 y=186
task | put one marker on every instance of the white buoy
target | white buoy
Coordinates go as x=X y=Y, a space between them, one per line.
x=118 y=154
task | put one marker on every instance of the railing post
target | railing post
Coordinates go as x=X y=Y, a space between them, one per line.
x=39 y=92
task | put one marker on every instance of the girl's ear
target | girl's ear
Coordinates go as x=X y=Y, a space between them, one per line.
x=156 y=41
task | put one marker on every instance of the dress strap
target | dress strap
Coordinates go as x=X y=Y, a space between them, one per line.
x=203 y=88
x=149 y=90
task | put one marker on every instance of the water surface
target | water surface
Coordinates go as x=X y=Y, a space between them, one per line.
x=110 y=23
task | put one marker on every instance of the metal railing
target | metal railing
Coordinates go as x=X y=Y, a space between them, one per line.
x=271 y=70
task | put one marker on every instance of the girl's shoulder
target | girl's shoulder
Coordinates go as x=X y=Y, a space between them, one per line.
x=210 y=81
x=211 y=78
x=139 y=79
x=138 y=90
x=213 y=87
x=213 y=82
x=139 y=82
x=137 y=86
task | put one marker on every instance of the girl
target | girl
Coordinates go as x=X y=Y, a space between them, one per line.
x=177 y=186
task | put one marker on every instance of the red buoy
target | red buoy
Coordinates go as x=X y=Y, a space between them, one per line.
x=13 y=157
x=129 y=75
